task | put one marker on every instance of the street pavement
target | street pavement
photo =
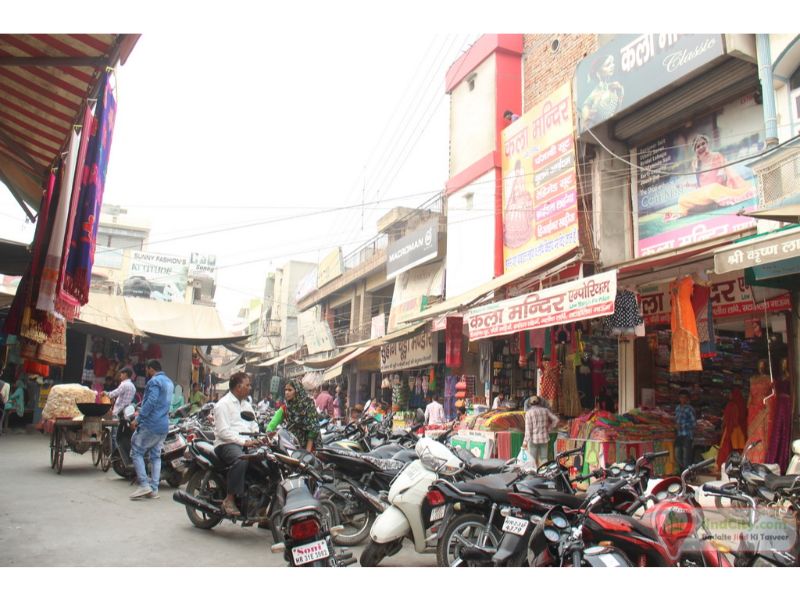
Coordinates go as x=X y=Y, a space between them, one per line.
x=83 y=518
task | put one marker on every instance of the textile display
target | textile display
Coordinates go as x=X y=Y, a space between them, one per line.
x=551 y=383
x=703 y=310
x=760 y=411
x=685 y=353
x=734 y=426
x=64 y=211
x=627 y=315
x=570 y=405
x=453 y=338
x=54 y=349
x=780 y=436
x=73 y=288
x=485 y=351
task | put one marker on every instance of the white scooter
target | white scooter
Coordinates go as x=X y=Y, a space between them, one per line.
x=404 y=517
x=794 y=464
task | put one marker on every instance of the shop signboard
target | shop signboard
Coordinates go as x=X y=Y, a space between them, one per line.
x=160 y=276
x=540 y=210
x=730 y=297
x=307 y=285
x=330 y=267
x=377 y=326
x=412 y=290
x=418 y=351
x=317 y=334
x=772 y=248
x=632 y=67
x=691 y=182
x=586 y=298
x=202 y=265
x=415 y=248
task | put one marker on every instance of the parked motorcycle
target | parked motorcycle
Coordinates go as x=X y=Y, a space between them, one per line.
x=404 y=517
x=173 y=468
x=304 y=526
x=669 y=533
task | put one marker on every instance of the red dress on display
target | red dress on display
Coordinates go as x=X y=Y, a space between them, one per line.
x=760 y=410
x=685 y=354
x=734 y=427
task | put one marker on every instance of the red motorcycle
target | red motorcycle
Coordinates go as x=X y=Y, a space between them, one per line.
x=669 y=533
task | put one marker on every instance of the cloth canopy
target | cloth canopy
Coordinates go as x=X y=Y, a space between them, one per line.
x=166 y=321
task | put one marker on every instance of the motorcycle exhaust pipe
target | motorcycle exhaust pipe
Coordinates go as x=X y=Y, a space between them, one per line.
x=184 y=498
x=376 y=503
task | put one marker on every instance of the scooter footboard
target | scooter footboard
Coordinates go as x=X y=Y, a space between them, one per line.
x=390 y=525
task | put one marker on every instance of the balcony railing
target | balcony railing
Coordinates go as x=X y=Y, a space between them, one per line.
x=780 y=179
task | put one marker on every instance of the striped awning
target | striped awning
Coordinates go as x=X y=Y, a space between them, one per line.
x=45 y=79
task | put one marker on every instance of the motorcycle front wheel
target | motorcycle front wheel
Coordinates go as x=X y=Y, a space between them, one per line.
x=208 y=487
x=460 y=532
x=353 y=514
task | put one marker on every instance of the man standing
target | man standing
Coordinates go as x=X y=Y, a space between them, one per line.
x=685 y=422
x=229 y=444
x=434 y=412
x=340 y=404
x=324 y=401
x=151 y=427
x=539 y=421
x=123 y=396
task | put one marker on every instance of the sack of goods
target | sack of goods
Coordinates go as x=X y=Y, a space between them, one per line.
x=63 y=400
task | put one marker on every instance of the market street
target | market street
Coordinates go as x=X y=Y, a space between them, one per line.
x=83 y=518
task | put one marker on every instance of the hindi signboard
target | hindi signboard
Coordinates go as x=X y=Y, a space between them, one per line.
x=418 y=351
x=585 y=298
x=540 y=208
x=770 y=249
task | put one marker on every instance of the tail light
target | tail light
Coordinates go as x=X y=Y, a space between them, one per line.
x=302 y=530
x=435 y=497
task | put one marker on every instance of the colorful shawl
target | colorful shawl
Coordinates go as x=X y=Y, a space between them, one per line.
x=45 y=300
x=78 y=256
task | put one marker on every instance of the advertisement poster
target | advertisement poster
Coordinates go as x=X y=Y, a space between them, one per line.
x=698 y=189
x=330 y=267
x=156 y=276
x=633 y=66
x=412 y=289
x=202 y=264
x=415 y=248
x=586 y=298
x=540 y=216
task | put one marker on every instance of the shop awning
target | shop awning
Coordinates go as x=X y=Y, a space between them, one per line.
x=322 y=363
x=108 y=312
x=165 y=321
x=785 y=214
x=277 y=359
x=762 y=249
x=466 y=299
x=336 y=370
x=45 y=79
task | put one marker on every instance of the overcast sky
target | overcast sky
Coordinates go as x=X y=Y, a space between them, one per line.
x=231 y=115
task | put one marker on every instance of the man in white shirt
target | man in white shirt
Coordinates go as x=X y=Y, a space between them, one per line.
x=229 y=444
x=434 y=413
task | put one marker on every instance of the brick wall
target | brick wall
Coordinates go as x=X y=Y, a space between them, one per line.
x=543 y=69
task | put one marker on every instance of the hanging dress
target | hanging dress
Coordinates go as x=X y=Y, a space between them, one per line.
x=571 y=405
x=734 y=427
x=685 y=354
x=551 y=382
x=780 y=436
x=759 y=416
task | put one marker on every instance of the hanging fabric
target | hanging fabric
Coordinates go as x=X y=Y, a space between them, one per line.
x=627 y=315
x=685 y=352
x=453 y=338
x=701 y=304
x=73 y=287
x=485 y=353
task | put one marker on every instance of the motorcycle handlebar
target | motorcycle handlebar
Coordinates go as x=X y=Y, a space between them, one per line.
x=702 y=465
x=652 y=455
x=613 y=488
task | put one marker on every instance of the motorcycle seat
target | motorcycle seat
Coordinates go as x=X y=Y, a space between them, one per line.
x=300 y=499
x=495 y=487
x=558 y=498
x=386 y=451
x=775 y=483
x=481 y=466
x=206 y=449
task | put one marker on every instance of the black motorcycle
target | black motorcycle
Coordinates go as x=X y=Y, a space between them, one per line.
x=173 y=469
x=303 y=524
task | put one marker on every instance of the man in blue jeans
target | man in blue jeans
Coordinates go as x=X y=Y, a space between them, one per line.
x=151 y=426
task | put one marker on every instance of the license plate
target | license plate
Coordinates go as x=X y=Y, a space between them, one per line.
x=438 y=513
x=173 y=446
x=310 y=552
x=514 y=525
